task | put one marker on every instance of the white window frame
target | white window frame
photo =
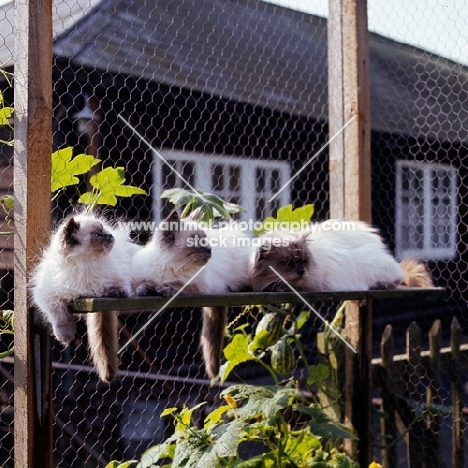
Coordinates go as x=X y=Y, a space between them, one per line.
x=248 y=193
x=426 y=196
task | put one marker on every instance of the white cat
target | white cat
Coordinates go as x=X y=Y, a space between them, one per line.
x=320 y=258
x=86 y=257
x=176 y=253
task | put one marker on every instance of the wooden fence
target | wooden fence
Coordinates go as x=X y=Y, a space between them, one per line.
x=410 y=397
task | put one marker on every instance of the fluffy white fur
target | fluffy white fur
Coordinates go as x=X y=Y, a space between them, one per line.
x=164 y=267
x=322 y=259
x=172 y=258
x=354 y=259
x=86 y=257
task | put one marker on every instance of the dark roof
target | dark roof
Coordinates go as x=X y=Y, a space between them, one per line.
x=251 y=51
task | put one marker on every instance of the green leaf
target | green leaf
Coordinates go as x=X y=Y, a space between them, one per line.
x=196 y=450
x=260 y=341
x=265 y=460
x=301 y=446
x=65 y=169
x=236 y=352
x=287 y=219
x=215 y=417
x=302 y=319
x=317 y=373
x=7 y=202
x=155 y=453
x=206 y=205
x=169 y=411
x=259 y=400
x=108 y=185
x=5 y=114
x=116 y=464
x=323 y=426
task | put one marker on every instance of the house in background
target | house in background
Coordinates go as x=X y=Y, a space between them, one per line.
x=234 y=95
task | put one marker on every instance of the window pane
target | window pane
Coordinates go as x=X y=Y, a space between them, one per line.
x=217 y=180
x=234 y=177
x=168 y=179
x=188 y=172
x=275 y=180
x=260 y=178
x=260 y=210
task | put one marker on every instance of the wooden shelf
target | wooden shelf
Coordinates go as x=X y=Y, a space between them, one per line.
x=84 y=305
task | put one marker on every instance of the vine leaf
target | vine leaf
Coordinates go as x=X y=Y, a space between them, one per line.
x=207 y=205
x=5 y=114
x=286 y=216
x=65 y=168
x=107 y=185
x=236 y=352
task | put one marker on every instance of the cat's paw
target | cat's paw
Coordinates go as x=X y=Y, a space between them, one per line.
x=116 y=291
x=140 y=290
x=65 y=331
x=165 y=290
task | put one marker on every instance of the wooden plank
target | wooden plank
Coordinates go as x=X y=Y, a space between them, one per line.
x=84 y=305
x=457 y=392
x=358 y=381
x=388 y=424
x=432 y=452
x=33 y=139
x=415 y=428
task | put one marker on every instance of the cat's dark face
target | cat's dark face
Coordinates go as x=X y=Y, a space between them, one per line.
x=85 y=235
x=184 y=244
x=290 y=261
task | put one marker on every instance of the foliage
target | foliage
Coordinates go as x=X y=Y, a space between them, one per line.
x=6 y=112
x=289 y=429
x=204 y=206
x=286 y=216
x=65 y=168
x=7 y=327
x=107 y=185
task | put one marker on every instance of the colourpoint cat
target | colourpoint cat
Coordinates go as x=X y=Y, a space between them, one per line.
x=86 y=257
x=322 y=259
x=176 y=253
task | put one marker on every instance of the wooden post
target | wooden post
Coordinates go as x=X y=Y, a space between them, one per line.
x=415 y=436
x=349 y=107
x=457 y=392
x=33 y=137
x=432 y=451
x=350 y=192
x=388 y=425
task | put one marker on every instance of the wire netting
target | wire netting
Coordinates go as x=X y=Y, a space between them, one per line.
x=233 y=94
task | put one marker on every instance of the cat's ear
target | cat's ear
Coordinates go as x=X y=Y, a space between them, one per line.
x=265 y=249
x=170 y=225
x=70 y=228
x=173 y=217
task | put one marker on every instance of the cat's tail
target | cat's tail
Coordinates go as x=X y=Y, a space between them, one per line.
x=103 y=343
x=416 y=274
x=212 y=338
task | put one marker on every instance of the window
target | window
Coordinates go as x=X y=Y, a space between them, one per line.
x=248 y=182
x=426 y=210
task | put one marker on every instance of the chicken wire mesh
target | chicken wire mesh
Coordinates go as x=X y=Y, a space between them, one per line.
x=233 y=95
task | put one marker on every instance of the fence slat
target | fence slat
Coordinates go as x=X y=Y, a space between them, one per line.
x=416 y=431
x=32 y=161
x=389 y=453
x=457 y=392
x=432 y=397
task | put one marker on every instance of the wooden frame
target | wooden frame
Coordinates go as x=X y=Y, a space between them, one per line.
x=32 y=169
x=350 y=198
